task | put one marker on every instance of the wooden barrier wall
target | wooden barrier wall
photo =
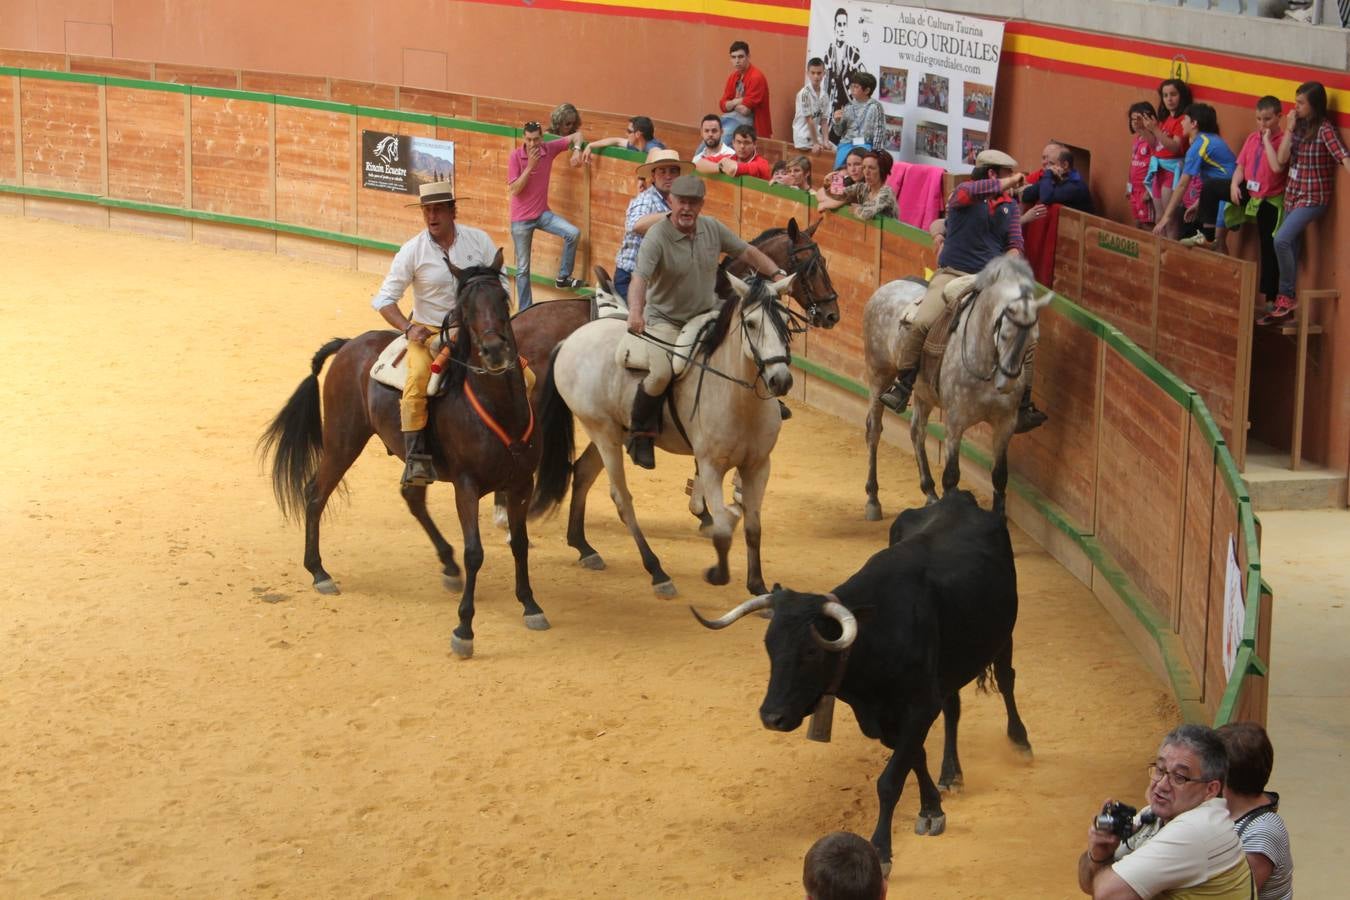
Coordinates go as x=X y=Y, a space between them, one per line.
x=1192 y=310
x=1131 y=467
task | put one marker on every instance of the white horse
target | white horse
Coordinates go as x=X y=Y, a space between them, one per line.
x=982 y=376
x=724 y=404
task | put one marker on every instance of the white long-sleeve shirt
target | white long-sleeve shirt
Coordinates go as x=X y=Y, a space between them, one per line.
x=421 y=263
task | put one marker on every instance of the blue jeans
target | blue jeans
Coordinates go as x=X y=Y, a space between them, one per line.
x=622 y=278
x=522 y=235
x=1289 y=239
x=731 y=121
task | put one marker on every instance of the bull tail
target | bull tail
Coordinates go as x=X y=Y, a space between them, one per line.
x=294 y=439
x=987 y=681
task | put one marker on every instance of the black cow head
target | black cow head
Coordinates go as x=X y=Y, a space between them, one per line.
x=806 y=636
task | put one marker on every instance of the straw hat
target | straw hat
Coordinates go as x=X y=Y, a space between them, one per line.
x=663 y=157
x=435 y=192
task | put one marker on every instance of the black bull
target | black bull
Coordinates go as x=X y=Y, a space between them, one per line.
x=897 y=641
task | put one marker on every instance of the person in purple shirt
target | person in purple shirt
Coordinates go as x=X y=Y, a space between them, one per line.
x=527 y=175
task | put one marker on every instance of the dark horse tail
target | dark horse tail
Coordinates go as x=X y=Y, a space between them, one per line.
x=555 y=428
x=295 y=438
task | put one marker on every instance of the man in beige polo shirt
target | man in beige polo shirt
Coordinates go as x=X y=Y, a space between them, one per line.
x=672 y=283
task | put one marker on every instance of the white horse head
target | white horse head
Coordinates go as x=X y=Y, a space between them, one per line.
x=1009 y=288
x=765 y=339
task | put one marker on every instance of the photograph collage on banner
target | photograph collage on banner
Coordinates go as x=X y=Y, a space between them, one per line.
x=935 y=74
x=402 y=164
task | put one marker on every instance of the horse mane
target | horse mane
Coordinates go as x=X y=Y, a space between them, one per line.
x=720 y=327
x=768 y=234
x=759 y=295
x=1004 y=266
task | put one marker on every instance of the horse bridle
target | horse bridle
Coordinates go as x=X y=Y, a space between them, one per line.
x=474 y=339
x=803 y=270
x=1019 y=342
x=769 y=305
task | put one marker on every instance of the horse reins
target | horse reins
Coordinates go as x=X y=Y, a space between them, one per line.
x=1019 y=343
x=801 y=270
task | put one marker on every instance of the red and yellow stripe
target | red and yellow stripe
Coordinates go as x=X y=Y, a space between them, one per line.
x=789 y=17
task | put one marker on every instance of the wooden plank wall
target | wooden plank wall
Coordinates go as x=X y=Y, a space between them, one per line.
x=761 y=211
x=62 y=135
x=1060 y=457
x=384 y=216
x=1069 y=253
x=854 y=252
x=9 y=145
x=901 y=258
x=613 y=185
x=1120 y=278
x=1225 y=527
x=1197 y=539
x=480 y=182
x=147 y=146
x=232 y=156
x=1140 y=471
x=1204 y=332
x=315 y=165
x=310 y=86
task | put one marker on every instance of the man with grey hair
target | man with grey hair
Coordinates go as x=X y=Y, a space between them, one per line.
x=1189 y=848
x=672 y=283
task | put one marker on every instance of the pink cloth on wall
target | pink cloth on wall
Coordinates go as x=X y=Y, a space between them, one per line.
x=918 y=192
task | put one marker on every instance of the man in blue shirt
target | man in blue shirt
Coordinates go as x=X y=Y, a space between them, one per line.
x=646 y=209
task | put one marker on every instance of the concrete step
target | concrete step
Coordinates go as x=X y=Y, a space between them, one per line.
x=1273 y=485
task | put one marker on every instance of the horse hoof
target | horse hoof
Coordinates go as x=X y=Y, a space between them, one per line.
x=326 y=586
x=1024 y=751
x=930 y=825
x=452 y=583
x=537 y=622
x=665 y=589
x=595 y=562
x=872 y=512
x=499 y=517
x=886 y=870
x=952 y=787
x=712 y=576
x=460 y=647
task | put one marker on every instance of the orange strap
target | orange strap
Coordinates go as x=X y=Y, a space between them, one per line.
x=491 y=423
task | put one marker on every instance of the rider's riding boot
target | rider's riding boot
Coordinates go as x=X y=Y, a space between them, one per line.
x=1028 y=416
x=896 y=397
x=419 y=471
x=646 y=426
x=783 y=412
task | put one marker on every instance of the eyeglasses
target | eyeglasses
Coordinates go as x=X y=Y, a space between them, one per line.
x=1157 y=773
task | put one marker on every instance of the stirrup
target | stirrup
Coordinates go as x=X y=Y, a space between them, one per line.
x=642 y=450
x=896 y=397
x=418 y=471
x=1029 y=418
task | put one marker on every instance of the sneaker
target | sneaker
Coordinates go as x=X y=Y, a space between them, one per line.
x=568 y=284
x=1284 y=305
x=1196 y=240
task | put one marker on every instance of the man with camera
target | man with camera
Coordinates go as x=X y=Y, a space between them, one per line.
x=1182 y=845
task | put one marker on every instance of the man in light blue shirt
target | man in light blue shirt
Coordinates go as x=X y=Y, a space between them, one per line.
x=646 y=209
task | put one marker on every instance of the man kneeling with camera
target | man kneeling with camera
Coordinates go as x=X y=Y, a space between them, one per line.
x=1182 y=845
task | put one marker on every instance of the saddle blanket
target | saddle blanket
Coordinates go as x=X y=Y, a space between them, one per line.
x=632 y=352
x=952 y=293
x=391 y=368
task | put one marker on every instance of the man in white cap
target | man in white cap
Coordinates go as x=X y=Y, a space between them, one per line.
x=424 y=262
x=646 y=209
x=983 y=221
x=674 y=281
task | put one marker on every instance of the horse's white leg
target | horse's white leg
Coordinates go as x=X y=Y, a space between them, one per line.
x=612 y=453
x=918 y=433
x=754 y=484
x=875 y=421
x=710 y=484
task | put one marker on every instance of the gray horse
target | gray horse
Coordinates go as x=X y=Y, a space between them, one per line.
x=982 y=375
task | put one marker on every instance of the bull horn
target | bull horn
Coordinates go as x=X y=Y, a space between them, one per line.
x=848 y=627
x=754 y=604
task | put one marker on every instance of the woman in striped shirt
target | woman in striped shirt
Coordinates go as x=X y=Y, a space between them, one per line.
x=1255 y=811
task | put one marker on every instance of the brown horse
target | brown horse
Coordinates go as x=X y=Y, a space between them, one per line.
x=796 y=251
x=484 y=439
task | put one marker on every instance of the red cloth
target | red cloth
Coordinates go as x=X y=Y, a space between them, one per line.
x=756 y=167
x=1039 y=238
x=756 y=97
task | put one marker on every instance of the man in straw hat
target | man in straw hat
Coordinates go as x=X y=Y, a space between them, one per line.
x=528 y=170
x=646 y=209
x=674 y=282
x=424 y=262
x=983 y=221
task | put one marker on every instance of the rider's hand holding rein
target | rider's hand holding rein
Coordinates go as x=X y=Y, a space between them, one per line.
x=637 y=304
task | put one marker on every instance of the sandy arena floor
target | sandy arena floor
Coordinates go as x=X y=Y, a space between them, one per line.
x=180 y=714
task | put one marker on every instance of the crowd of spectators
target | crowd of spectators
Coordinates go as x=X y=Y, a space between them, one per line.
x=1185 y=180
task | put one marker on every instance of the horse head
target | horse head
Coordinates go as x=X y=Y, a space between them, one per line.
x=484 y=310
x=1008 y=287
x=765 y=338
x=813 y=288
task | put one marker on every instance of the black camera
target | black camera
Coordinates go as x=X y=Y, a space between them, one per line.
x=1118 y=819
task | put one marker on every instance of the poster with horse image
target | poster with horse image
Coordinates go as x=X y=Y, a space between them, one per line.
x=402 y=164
x=935 y=70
